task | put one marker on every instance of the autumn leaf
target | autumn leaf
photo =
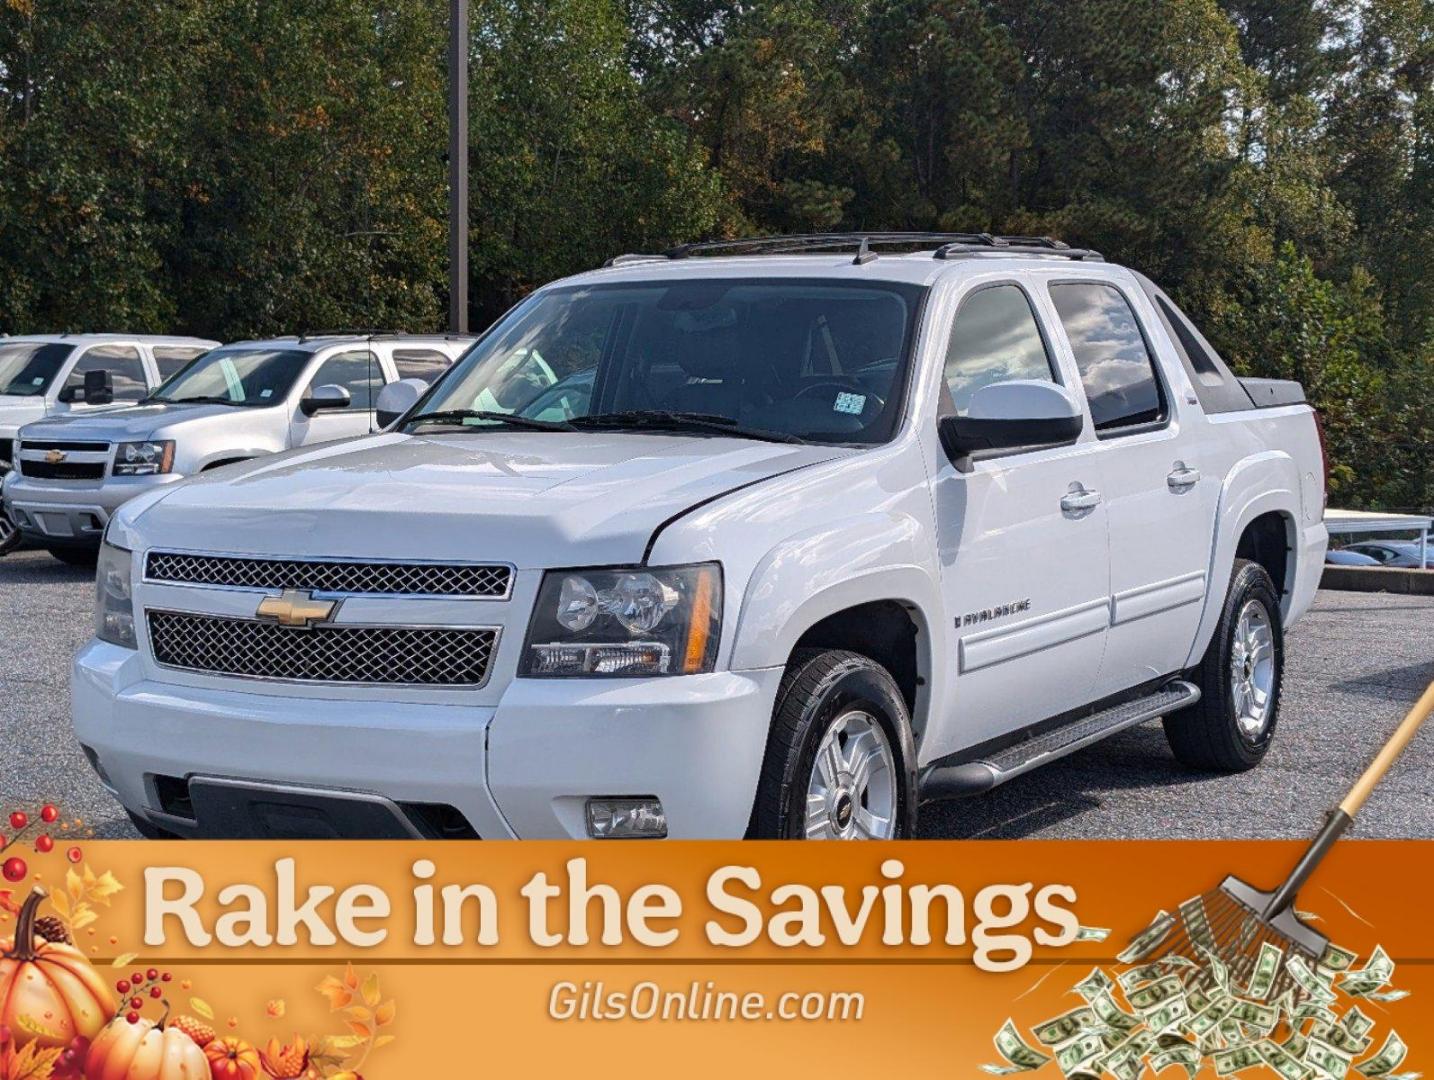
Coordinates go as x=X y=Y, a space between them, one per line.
x=123 y=960
x=363 y=1031
x=276 y=1008
x=359 y=1013
x=371 y=993
x=338 y=994
x=383 y=1040
x=384 y=1014
x=7 y=902
x=202 y=1007
x=74 y=885
x=351 y=979
x=28 y=1023
x=32 y=1062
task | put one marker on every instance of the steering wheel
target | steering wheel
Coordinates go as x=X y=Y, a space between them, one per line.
x=851 y=386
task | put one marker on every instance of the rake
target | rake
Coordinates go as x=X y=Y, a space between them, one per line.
x=1234 y=921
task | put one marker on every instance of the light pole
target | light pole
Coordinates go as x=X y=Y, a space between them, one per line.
x=458 y=167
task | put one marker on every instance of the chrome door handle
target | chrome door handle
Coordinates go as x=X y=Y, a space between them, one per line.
x=1077 y=501
x=1183 y=478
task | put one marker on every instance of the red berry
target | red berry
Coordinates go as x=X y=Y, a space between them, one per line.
x=122 y=986
x=136 y=1003
x=43 y=844
x=48 y=813
x=155 y=991
x=137 y=978
x=14 y=869
x=74 y=854
x=132 y=1017
x=18 y=820
x=3 y=842
x=165 y=977
x=152 y=974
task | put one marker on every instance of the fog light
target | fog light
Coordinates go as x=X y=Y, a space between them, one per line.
x=626 y=819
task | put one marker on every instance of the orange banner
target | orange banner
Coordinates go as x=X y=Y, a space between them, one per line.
x=420 y=959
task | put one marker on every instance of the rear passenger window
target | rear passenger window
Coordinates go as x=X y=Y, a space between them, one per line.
x=170 y=359
x=123 y=364
x=1115 y=365
x=995 y=339
x=425 y=364
x=356 y=372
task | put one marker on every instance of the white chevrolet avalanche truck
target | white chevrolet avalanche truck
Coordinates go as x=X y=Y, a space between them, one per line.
x=774 y=539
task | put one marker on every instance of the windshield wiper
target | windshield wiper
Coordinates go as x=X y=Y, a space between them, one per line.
x=199 y=399
x=457 y=416
x=659 y=420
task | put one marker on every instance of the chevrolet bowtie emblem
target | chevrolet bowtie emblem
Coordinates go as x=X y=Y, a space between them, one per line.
x=54 y=457
x=296 y=608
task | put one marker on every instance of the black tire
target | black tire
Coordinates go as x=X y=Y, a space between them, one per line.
x=819 y=687
x=148 y=829
x=1208 y=735
x=10 y=537
x=76 y=556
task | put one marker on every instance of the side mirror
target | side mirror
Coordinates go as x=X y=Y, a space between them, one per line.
x=397 y=398
x=98 y=389
x=1022 y=414
x=328 y=398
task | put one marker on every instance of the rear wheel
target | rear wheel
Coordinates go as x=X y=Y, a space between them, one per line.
x=839 y=753
x=1230 y=729
x=76 y=556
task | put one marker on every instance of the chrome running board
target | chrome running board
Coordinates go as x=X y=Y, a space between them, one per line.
x=992 y=770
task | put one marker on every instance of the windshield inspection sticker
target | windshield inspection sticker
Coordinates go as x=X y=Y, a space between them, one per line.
x=853 y=404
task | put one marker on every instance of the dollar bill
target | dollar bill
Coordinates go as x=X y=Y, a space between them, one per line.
x=1187 y=1056
x=1387 y=995
x=1064 y=1028
x=1282 y=1061
x=1094 y=984
x=1146 y=998
x=1209 y=1019
x=1375 y=975
x=1020 y=1056
x=1336 y=959
x=1112 y=1015
x=1144 y=973
x=1296 y=1044
x=1259 y=1016
x=1355 y=1022
x=1329 y=1060
x=1149 y=939
x=1391 y=1055
x=1092 y=933
x=1308 y=981
x=1237 y=1059
x=1168 y=1015
x=1085 y=1049
x=1267 y=966
x=1219 y=973
x=1340 y=1037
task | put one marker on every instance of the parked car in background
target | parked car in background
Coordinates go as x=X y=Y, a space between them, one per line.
x=1402 y=554
x=228 y=405
x=78 y=374
x=723 y=543
x=1345 y=557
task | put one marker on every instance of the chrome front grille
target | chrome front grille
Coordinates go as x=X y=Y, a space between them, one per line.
x=491 y=582
x=372 y=655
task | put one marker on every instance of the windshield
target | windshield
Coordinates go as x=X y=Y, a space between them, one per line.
x=237 y=376
x=820 y=361
x=27 y=368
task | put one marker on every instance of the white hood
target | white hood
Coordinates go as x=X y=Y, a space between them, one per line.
x=533 y=499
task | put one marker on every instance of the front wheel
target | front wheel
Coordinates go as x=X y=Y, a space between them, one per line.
x=1231 y=727
x=9 y=534
x=839 y=755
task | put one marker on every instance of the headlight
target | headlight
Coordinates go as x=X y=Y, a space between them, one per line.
x=144 y=458
x=114 y=600
x=638 y=621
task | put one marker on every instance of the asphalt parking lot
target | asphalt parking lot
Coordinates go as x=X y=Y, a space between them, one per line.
x=1354 y=666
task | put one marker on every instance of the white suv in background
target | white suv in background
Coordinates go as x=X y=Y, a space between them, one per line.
x=719 y=544
x=75 y=375
x=237 y=402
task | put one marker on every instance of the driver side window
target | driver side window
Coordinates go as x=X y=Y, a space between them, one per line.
x=357 y=372
x=995 y=339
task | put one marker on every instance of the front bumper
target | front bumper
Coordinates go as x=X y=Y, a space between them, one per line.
x=524 y=768
x=72 y=512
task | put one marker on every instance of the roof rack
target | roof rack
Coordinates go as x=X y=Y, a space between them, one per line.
x=311 y=335
x=948 y=245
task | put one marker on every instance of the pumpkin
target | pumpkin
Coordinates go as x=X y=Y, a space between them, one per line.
x=233 y=1059
x=49 y=994
x=144 y=1050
